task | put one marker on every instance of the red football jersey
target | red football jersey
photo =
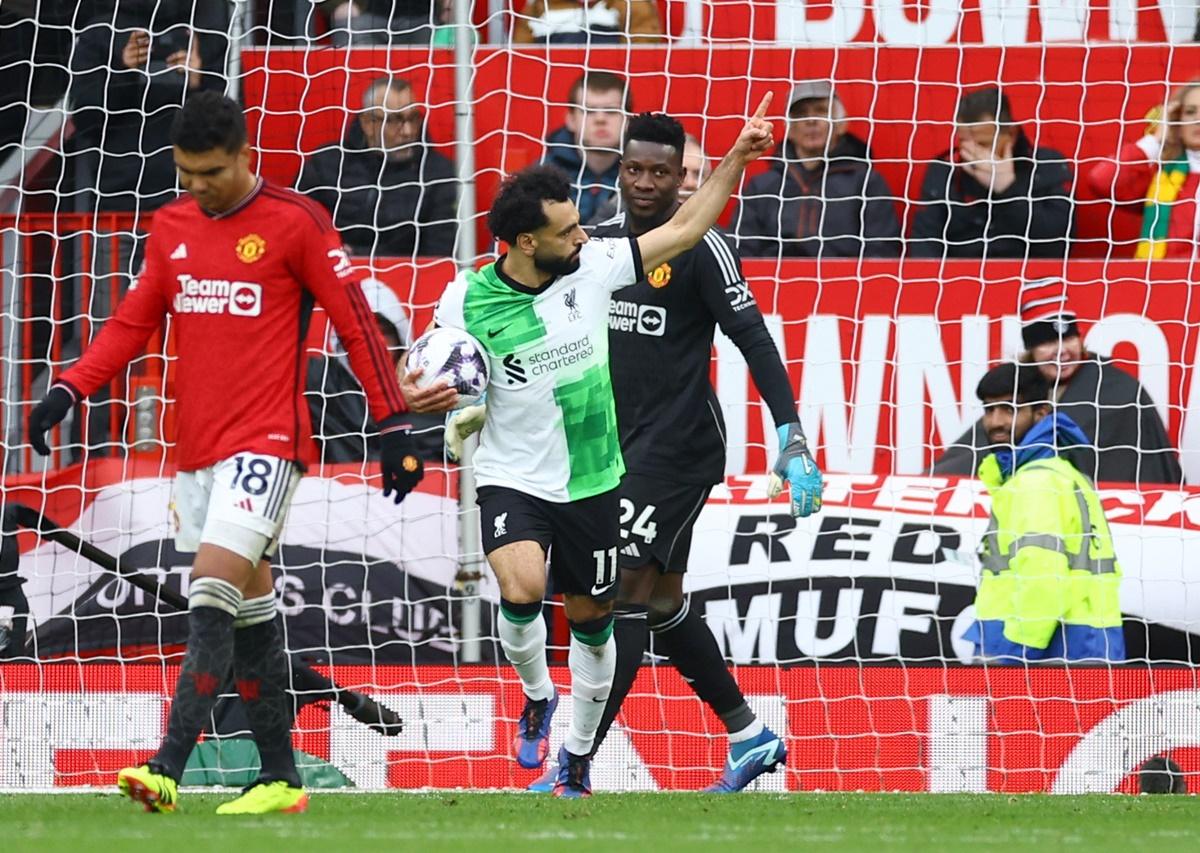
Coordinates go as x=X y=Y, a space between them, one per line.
x=240 y=286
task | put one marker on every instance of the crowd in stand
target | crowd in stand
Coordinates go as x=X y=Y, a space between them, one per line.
x=994 y=195
x=391 y=193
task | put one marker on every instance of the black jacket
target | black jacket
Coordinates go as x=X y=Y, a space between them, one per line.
x=1131 y=444
x=382 y=207
x=122 y=116
x=959 y=218
x=342 y=426
x=842 y=209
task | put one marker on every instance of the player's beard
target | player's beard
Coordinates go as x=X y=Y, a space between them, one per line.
x=557 y=266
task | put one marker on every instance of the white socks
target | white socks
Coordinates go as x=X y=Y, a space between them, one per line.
x=592 y=669
x=524 y=645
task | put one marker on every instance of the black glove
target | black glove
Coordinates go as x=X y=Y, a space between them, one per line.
x=398 y=460
x=46 y=414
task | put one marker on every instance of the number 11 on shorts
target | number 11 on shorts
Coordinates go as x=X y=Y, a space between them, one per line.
x=606 y=570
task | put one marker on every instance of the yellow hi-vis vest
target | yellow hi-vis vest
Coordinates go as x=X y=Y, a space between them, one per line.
x=1047 y=556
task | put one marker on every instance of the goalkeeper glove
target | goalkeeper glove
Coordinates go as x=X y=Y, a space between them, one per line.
x=398 y=460
x=48 y=413
x=796 y=465
x=460 y=425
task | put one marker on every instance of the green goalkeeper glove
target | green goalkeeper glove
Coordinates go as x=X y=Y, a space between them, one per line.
x=461 y=425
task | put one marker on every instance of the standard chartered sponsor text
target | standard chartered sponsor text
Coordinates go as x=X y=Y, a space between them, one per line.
x=549 y=360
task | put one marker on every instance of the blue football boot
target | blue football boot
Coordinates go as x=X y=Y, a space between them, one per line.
x=574 y=776
x=533 y=732
x=544 y=784
x=748 y=760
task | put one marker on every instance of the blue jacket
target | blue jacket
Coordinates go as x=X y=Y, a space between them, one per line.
x=592 y=190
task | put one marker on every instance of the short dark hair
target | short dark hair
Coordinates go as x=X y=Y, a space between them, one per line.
x=209 y=120
x=600 y=81
x=1021 y=383
x=658 y=128
x=517 y=208
x=984 y=105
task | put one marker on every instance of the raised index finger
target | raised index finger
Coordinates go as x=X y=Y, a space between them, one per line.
x=763 y=104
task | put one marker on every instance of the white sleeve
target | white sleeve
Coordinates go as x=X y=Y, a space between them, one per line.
x=612 y=262
x=449 y=310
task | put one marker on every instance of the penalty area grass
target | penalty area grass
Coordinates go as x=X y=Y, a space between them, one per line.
x=638 y=823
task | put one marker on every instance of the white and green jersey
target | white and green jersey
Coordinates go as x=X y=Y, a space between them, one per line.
x=551 y=428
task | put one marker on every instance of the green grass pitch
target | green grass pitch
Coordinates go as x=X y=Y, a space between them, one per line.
x=635 y=823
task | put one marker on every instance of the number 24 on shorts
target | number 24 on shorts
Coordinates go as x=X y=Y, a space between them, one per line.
x=643 y=526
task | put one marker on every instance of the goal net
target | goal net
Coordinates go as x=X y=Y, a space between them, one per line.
x=886 y=243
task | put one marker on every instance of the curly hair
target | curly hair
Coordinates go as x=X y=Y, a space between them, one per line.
x=518 y=206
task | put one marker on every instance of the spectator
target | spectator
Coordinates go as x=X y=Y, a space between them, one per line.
x=587 y=147
x=587 y=22
x=343 y=430
x=360 y=23
x=1163 y=170
x=389 y=192
x=1127 y=441
x=696 y=166
x=1050 y=578
x=821 y=198
x=132 y=67
x=994 y=195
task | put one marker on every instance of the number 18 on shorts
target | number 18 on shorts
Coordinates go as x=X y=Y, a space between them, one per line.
x=239 y=504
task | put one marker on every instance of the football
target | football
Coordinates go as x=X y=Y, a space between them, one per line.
x=456 y=357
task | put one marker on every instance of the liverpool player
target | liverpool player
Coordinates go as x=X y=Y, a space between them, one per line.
x=673 y=439
x=549 y=461
x=237 y=263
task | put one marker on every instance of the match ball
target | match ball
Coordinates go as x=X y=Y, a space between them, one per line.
x=454 y=356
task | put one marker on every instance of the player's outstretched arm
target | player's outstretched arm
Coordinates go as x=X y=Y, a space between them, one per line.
x=699 y=213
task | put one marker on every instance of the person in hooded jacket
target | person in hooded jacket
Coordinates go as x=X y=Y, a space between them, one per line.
x=389 y=192
x=994 y=195
x=1049 y=579
x=821 y=198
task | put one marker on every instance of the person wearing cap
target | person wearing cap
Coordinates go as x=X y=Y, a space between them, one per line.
x=821 y=198
x=994 y=195
x=342 y=427
x=1128 y=442
x=1049 y=579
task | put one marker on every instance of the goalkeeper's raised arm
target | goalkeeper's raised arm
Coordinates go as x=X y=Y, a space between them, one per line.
x=699 y=213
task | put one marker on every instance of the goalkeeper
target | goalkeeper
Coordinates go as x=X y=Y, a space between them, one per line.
x=236 y=263
x=672 y=439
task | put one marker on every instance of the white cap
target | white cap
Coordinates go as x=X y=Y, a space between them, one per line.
x=383 y=301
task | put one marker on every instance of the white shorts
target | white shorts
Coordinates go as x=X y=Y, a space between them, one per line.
x=239 y=504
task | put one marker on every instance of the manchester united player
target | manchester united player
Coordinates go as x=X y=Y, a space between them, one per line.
x=237 y=263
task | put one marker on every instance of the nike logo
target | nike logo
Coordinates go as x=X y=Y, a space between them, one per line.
x=493 y=332
x=600 y=590
x=766 y=752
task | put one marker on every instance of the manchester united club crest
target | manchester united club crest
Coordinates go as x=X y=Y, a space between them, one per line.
x=660 y=277
x=250 y=248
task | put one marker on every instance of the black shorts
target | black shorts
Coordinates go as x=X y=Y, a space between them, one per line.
x=580 y=537
x=657 y=517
